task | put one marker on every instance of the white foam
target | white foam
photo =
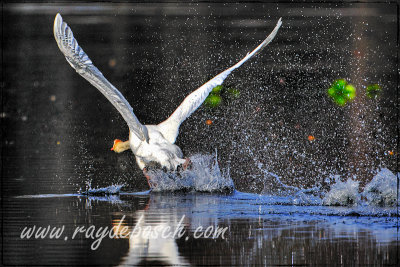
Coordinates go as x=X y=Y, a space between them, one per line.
x=382 y=189
x=342 y=193
x=204 y=175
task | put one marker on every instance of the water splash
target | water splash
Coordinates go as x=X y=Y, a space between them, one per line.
x=381 y=191
x=291 y=195
x=342 y=193
x=113 y=189
x=204 y=175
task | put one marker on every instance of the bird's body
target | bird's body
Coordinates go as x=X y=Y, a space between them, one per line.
x=149 y=143
x=158 y=149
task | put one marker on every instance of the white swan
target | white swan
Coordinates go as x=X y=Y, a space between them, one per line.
x=149 y=143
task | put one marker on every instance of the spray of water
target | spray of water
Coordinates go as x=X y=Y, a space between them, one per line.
x=380 y=191
x=204 y=175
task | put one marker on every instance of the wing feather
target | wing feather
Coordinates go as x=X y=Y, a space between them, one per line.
x=170 y=127
x=80 y=61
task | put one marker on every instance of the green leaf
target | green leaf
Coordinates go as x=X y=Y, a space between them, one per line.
x=217 y=90
x=341 y=101
x=373 y=90
x=331 y=92
x=213 y=101
x=234 y=92
x=339 y=84
x=341 y=92
x=350 y=92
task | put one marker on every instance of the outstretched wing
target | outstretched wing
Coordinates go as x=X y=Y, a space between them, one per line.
x=170 y=127
x=78 y=60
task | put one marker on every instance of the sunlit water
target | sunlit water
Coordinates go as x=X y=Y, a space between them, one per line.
x=260 y=230
x=283 y=228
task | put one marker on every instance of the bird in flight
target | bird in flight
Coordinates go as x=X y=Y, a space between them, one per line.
x=149 y=143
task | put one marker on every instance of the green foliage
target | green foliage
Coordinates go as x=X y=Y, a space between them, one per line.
x=234 y=92
x=217 y=90
x=373 y=90
x=341 y=92
x=213 y=101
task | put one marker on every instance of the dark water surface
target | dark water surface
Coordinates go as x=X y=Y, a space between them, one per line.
x=58 y=131
x=257 y=232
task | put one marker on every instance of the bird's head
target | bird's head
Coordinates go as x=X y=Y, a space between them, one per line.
x=120 y=146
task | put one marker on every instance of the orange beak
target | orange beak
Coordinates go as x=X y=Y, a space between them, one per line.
x=116 y=141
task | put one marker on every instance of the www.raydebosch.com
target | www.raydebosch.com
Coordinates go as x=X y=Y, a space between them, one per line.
x=139 y=230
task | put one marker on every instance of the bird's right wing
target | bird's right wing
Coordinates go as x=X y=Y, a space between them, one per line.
x=78 y=60
x=170 y=127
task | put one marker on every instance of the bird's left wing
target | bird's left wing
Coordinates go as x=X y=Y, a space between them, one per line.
x=170 y=127
x=78 y=60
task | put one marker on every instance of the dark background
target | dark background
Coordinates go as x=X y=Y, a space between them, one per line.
x=58 y=129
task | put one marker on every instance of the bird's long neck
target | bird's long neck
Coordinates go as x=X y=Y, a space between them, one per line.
x=120 y=146
x=124 y=146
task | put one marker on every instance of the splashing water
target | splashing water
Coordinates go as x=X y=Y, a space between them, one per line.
x=204 y=175
x=109 y=190
x=291 y=195
x=342 y=193
x=380 y=191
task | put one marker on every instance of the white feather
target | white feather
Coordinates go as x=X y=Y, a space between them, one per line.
x=78 y=60
x=148 y=142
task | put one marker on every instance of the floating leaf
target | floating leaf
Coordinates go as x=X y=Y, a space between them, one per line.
x=350 y=91
x=341 y=101
x=341 y=92
x=217 y=90
x=339 y=84
x=234 y=92
x=215 y=97
x=213 y=101
x=373 y=90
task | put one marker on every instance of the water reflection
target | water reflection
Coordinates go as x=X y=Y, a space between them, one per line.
x=267 y=238
x=151 y=241
x=258 y=231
